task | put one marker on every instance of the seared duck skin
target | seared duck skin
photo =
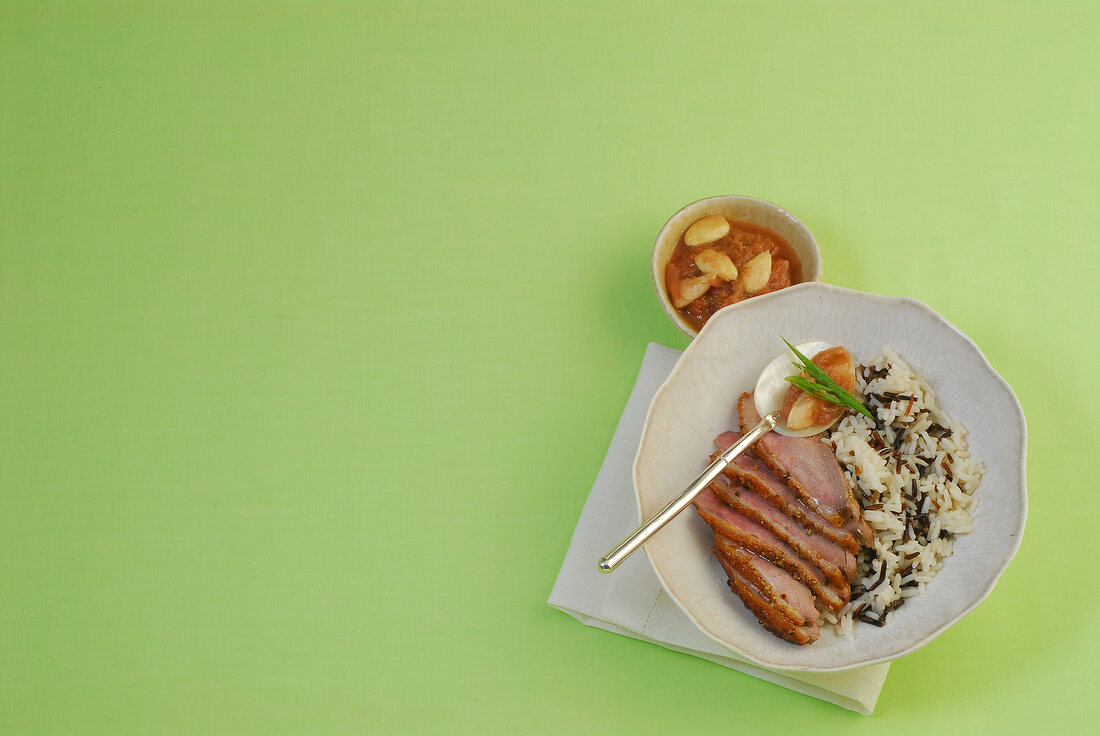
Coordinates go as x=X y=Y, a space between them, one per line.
x=782 y=604
x=838 y=564
x=740 y=530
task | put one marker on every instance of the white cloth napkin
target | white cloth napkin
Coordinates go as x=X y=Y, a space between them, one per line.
x=631 y=601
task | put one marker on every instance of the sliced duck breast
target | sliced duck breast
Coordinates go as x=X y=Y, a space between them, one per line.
x=806 y=464
x=837 y=563
x=738 y=529
x=750 y=472
x=782 y=604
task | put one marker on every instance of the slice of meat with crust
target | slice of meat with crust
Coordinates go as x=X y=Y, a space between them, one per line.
x=782 y=604
x=786 y=593
x=837 y=563
x=753 y=474
x=806 y=464
x=754 y=537
x=766 y=615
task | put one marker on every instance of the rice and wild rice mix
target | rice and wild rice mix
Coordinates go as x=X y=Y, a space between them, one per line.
x=913 y=475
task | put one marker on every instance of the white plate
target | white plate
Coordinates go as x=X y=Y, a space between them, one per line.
x=698 y=401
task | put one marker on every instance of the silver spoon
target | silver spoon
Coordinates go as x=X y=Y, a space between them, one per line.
x=771 y=390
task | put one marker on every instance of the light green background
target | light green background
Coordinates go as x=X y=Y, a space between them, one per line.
x=315 y=323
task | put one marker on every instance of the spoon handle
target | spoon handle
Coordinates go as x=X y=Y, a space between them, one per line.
x=629 y=545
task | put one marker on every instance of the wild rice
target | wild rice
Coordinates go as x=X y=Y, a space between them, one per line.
x=913 y=475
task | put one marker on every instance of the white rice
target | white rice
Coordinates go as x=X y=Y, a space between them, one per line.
x=913 y=476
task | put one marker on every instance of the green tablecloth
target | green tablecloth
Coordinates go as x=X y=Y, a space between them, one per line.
x=316 y=320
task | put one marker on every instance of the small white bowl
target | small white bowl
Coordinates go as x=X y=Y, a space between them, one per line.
x=697 y=402
x=739 y=208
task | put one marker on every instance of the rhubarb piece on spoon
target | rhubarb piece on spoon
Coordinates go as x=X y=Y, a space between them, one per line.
x=802 y=410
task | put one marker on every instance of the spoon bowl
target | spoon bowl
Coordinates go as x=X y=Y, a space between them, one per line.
x=772 y=386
